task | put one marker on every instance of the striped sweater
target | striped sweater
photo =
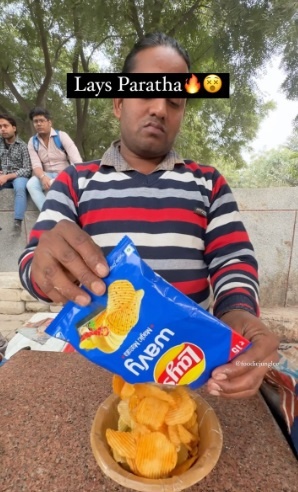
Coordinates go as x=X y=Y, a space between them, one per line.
x=184 y=222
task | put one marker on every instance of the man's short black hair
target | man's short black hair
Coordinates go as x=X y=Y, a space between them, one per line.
x=10 y=119
x=150 y=41
x=39 y=112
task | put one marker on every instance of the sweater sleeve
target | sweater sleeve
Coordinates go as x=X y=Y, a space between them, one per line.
x=61 y=203
x=229 y=253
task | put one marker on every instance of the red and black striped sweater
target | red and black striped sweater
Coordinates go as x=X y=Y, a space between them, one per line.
x=184 y=221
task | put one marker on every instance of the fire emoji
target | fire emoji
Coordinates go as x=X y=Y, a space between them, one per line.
x=192 y=85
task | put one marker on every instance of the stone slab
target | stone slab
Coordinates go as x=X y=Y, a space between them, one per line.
x=283 y=322
x=48 y=415
x=30 y=219
x=7 y=201
x=292 y=292
x=10 y=307
x=10 y=295
x=267 y=198
x=11 y=246
x=10 y=280
x=36 y=306
x=25 y=296
x=273 y=246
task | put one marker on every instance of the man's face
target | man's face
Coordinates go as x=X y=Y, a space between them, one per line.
x=7 y=130
x=42 y=125
x=149 y=126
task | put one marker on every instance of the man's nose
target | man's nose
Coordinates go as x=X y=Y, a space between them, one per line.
x=158 y=107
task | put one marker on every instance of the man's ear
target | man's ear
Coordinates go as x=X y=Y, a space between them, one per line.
x=117 y=107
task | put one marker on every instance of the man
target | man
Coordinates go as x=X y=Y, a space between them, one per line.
x=51 y=152
x=181 y=216
x=15 y=167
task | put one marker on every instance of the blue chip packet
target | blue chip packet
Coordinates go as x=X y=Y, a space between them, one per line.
x=144 y=329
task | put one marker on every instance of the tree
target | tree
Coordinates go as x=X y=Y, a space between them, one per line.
x=42 y=40
x=278 y=167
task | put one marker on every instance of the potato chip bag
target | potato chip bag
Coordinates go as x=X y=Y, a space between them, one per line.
x=145 y=330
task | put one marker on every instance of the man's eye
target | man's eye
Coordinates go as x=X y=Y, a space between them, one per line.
x=176 y=103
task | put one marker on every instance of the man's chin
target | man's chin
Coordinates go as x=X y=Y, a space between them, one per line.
x=152 y=150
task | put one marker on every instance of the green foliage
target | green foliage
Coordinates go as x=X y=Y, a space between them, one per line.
x=42 y=40
x=277 y=167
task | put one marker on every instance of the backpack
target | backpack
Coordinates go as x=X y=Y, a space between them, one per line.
x=56 y=139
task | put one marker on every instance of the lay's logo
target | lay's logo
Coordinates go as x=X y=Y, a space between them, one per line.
x=181 y=364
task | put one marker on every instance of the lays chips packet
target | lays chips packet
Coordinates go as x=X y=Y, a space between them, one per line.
x=144 y=329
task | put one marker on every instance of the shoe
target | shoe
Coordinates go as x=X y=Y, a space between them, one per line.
x=17 y=226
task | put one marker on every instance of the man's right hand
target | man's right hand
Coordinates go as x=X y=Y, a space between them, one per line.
x=46 y=182
x=65 y=257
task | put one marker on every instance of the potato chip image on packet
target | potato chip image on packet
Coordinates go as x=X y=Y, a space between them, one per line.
x=107 y=329
x=144 y=329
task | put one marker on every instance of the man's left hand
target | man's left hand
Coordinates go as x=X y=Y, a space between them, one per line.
x=242 y=377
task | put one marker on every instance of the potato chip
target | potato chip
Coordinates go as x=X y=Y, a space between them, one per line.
x=182 y=454
x=96 y=342
x=139 y=430
x=183 y=467
x=156 y=456
x=144 y=389
x=122 y=426
x=185 y=436
x=124 y=413
x=123 y=320
x=194 y=429
x=183 y=409
x=117 y=384
x=114 y=341
x=132 y=465
x=120 y=293
x=133 y=403
x=127 y=390
x=174 y=435
x=151 y=412
x=122 y=442
x=191 y=422
x=117 y=457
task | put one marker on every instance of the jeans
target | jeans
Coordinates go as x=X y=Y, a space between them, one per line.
x=36 y=190
x=20 y=196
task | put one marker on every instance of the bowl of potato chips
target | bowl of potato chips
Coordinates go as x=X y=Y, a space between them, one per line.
x=150 y=437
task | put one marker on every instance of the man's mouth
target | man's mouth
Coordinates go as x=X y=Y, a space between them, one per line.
x=155 y=127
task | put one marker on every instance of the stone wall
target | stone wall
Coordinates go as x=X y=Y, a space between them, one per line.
x=270 y=216
x=15 y=300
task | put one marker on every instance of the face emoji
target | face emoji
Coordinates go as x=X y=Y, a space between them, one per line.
x=212 y=83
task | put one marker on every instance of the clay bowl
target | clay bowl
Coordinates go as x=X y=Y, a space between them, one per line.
x=210 y=448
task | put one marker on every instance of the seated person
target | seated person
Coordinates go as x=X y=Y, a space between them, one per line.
x=15 y=167
x=50 y=152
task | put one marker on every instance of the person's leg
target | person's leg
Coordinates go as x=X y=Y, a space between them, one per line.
x=36 y=192
x=20 y=200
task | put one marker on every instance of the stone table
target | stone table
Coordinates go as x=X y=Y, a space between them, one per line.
x=48 y=402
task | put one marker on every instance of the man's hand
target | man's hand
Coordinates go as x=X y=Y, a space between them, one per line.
x=3 y=179
x=242 y=377
x=65 y=257
x=46 y=182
